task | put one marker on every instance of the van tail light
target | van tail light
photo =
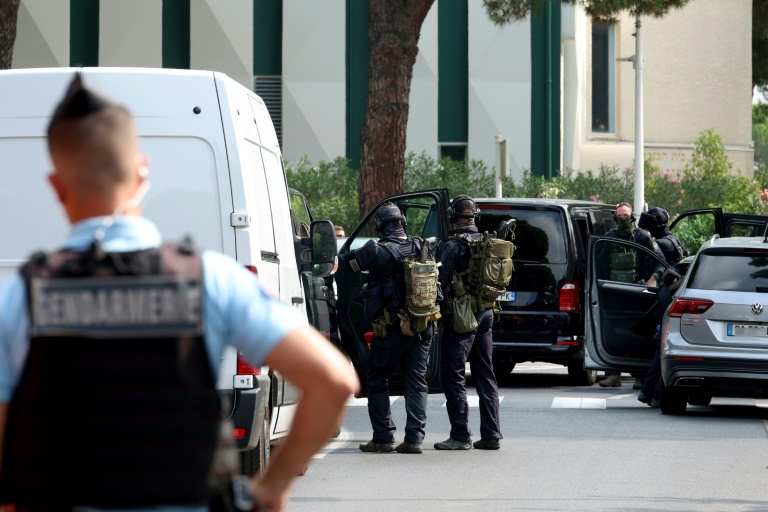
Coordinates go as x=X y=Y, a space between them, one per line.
x=569 y=298
x=245 y=368
x=253 y=269
x=238 y=433
x=693 y=306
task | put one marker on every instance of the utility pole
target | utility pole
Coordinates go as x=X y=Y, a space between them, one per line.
x=637 y=63
x=639 y=199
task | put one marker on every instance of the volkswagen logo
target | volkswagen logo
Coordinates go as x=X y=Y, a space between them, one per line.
x=757 y=309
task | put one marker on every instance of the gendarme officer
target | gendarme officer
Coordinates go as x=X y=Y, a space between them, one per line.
x=395 y=341
x=110 y=347
x=655 y=222
x=475 y=346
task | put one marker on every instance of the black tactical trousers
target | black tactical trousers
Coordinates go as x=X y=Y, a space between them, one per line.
x=477 y=348
x=386 y=354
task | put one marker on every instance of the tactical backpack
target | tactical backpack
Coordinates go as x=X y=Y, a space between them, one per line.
x=420 y=276
x=490 y=268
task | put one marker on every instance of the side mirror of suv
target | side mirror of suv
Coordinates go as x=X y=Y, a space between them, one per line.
x=324 y=250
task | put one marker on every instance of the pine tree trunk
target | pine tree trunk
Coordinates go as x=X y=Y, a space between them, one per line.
x=9 y=10
x=394 y=35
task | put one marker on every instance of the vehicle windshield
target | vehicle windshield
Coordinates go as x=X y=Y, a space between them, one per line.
x=730 y=271
x=539 y=234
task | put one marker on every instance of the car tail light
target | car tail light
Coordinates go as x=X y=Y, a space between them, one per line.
x=245 y=368
x=253 y=269
x=569 y=298
x=694 y=306
x=238 y=433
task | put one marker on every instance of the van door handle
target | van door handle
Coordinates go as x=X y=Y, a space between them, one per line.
x=297 y=300
x=271 y=257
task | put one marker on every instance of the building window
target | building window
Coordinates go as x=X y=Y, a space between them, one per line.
x=270 y=89
x=454 y=151
x=603 y=78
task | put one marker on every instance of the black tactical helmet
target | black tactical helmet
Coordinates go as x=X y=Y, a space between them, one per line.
x=654 y=218
x=388 y=213
x=459 y=205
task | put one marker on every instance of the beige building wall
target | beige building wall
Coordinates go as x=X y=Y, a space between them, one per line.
x=221 y=36
x=131 y=33
x=42 y=34
x=314 y=80
x=696 y=75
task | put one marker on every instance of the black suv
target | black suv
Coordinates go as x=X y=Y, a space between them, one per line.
x=542 y=313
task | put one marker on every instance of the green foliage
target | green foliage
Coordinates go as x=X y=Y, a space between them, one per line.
x=693 y=231
x=330 y=189
x=760 y=132
x=502 y=12
x=470 y=177
x=707 y=181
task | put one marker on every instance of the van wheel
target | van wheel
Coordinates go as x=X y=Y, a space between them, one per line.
x=673 y=401
x=579 y=376
x=254 y=462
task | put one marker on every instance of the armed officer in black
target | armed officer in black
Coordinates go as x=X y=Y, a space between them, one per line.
x=655 y=222
x=625 y=230
x=475 y=346
x=394 y=341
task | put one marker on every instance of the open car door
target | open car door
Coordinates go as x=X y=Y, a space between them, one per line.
x=695 y=227
x=622 y=312
x=427 y=216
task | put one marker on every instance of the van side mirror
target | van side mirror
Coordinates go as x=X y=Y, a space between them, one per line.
x=324 y=250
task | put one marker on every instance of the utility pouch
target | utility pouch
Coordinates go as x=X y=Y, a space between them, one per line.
x=464 y=320
x=373 y=301
x=405 y=324
x=379 y=327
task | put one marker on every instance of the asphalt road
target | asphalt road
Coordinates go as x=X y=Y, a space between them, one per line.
x=565 y=448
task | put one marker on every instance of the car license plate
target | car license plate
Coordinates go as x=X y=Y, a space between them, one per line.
x=746 y=330
x=508 y=297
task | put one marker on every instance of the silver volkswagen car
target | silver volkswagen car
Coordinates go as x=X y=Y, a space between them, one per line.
x=715 y=332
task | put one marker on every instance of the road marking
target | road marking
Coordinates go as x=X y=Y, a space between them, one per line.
x=474 y=401
x=560 y=402
x=761 y=402
x=616 y=397
x=363 y=402
x=338 y=443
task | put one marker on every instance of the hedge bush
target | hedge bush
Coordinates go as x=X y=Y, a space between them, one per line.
x=707 y=181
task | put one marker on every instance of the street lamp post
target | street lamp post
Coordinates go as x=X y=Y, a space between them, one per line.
x=639 y=199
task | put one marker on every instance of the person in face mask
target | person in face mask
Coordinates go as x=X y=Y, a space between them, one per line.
x=625 y=230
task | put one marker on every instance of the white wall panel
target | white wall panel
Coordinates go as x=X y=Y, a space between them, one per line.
x=130 y=33
x=42 y=34
x=314 y=79
x=421 y=135
x=221 y=36
x=499 y=89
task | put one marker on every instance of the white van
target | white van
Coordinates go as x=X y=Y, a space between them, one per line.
x=216 y=173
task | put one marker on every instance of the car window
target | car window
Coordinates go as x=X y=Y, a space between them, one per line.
x=730 y=271
x=694 y=230
x=539 y=234
x=301 y=218
x=421 y=217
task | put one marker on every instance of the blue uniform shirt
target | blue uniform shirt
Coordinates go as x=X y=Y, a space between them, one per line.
x=237 y=311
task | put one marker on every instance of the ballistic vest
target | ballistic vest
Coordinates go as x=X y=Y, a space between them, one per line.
x=117 y=404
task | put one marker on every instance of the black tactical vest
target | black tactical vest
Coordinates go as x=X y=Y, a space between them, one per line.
x=393 y=280
x=117 y=404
